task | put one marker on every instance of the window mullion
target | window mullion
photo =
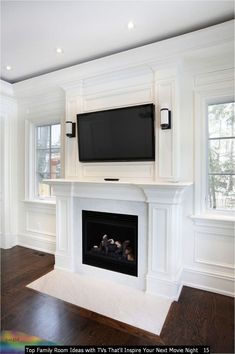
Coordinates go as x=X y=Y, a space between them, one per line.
x=222 y=138
x=221 y=174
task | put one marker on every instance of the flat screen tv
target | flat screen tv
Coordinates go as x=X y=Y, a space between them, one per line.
x=122 y=134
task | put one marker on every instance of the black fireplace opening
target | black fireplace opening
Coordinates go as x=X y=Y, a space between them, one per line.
x=110 y=241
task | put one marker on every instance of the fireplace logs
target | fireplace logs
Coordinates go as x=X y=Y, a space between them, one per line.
x=115 y=248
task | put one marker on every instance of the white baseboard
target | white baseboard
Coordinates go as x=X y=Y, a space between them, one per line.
x=214 y=282
x=8 y=241
x=164 y=288
x=209 y=281
x=37 y=243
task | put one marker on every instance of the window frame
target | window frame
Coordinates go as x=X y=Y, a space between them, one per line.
x=214 y=94
x=213 y=102
x=31 y=193
x=35 y=157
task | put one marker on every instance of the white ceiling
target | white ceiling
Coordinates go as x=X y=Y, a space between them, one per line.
x=31 y=30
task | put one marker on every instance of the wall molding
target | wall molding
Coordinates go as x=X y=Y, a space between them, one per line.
x=208 y=281
x=37 y=243
x=199 y=259
x=120 y=170
x=159 y=53
x=222 y=223
x=126 y=95
x=199 y=279
x=203 y=81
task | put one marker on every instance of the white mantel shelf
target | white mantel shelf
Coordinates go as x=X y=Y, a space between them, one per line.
x=121 y=181
x=169 y=192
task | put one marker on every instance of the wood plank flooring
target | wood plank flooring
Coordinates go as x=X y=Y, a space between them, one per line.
x=198 y=318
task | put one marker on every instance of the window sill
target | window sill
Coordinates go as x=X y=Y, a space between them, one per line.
x=40 y=201
x=213 y=217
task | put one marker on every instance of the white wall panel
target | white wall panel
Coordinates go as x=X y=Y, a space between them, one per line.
x=71 y=145
x=214 y=250
x=42 y=223
x=165 y=92
x=119 y=170
x=158 y=239
x=62 y=225
x=118 y=98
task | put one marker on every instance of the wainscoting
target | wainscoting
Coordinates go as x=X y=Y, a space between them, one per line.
x=38 y=226
x=212 y=263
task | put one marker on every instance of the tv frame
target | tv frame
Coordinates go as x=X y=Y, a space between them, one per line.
x=152 y=158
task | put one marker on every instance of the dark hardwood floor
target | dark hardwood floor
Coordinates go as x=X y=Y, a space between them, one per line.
x=198 y=318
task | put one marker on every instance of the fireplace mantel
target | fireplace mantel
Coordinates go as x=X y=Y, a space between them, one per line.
x=158 y=206
x=167 y=192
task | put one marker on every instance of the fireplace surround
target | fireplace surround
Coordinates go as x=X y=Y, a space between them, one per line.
x=158 y=206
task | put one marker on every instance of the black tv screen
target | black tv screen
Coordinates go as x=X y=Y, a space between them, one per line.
x=122 y=134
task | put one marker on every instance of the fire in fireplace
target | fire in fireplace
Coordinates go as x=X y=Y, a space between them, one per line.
x=110 y=241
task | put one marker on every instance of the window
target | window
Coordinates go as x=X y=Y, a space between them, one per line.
x=221 y=156
x=48 y=157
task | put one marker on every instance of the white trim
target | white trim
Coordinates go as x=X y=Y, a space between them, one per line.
x=199 y=260
x=217 y=264
x=162 y=52
x=41 y=201
x=208 y=281
x=36 y=243
x=35 y=230
x=213 y=217
x=164 y=288
x=30 y=161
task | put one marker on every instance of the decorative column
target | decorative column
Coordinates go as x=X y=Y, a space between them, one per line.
x=167 y=96
x=64 y=226
x=165 y=239
x=74 y=105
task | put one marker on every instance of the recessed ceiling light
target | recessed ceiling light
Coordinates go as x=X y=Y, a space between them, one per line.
x=130 y=25
x=59 y=50
x=8 y=67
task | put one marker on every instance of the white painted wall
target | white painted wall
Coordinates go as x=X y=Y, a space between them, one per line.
x=8 y=167
x=172 y=72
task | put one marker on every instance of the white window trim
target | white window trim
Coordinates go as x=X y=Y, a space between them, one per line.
x=227 y=99
x=216 y=92
x=30 y=161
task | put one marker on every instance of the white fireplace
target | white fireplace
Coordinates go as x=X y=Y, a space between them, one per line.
x=158 y=208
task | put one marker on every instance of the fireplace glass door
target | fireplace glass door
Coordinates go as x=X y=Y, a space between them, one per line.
x=110 y=241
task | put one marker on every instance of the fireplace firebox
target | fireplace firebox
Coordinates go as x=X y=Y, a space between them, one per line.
x=110 y=241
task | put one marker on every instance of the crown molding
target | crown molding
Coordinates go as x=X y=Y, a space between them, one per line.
x=155 y=54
